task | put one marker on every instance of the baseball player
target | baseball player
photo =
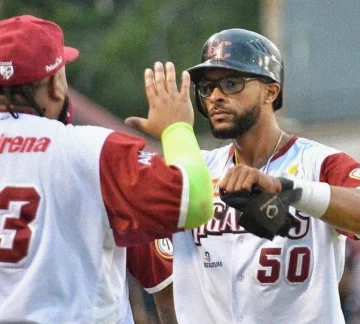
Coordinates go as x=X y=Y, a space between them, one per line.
x=69 y=195
x=232 y=270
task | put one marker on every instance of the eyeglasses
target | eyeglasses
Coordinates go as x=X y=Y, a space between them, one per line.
x=227 y=85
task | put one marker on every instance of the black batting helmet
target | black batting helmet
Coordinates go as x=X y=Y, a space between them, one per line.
x=244 y=51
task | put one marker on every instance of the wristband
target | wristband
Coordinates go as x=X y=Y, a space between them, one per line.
x=181 y=149
x=315 y=197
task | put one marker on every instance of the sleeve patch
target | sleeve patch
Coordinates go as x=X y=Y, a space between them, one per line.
x=164 y=248
x=355 y=174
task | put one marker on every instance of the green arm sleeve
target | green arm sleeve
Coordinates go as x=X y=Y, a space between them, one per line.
x=181 y=148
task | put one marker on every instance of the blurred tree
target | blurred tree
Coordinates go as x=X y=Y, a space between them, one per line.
x=119 y=39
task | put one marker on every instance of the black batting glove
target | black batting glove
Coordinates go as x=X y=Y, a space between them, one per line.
x=263 y=214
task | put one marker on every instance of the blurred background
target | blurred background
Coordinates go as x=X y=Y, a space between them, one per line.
x=117 y=40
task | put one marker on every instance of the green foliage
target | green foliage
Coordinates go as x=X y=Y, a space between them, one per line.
x=119 y=39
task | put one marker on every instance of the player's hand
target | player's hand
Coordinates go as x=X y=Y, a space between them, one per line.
x=242 y=178
x=262 y=200
x=167 y=105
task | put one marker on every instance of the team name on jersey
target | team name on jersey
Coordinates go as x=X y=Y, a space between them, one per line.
x=225 y=220
x=19 y=144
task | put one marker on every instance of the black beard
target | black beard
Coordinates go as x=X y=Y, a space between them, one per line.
x=242 y=124
x=63 y=117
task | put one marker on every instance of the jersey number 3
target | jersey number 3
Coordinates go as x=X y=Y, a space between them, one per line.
x=18 y=207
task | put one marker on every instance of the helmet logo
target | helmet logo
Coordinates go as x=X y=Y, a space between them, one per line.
x=216 y=50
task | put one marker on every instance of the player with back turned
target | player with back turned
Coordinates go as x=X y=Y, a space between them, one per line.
x=72 y=198
x=242 y=266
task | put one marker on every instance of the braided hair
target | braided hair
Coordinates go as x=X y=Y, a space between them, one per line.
x=27 y=91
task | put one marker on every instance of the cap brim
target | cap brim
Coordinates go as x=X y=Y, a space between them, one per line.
x=70 y=54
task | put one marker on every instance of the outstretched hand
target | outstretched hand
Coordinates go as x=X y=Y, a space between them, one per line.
x=167 y=105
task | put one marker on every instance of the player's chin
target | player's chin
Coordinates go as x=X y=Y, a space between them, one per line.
x=223 y=131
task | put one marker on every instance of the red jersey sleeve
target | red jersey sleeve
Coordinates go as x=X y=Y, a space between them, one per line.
x=151 y=264
x=142 y=195
x=341 y=170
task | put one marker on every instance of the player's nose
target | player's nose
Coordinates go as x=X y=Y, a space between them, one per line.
x=216 y=95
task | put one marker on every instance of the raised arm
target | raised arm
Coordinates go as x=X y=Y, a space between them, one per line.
x=171 y=118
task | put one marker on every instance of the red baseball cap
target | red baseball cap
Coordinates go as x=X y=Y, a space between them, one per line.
x=31 y=49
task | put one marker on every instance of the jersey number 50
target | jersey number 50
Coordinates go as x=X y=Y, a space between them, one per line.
x=297 y=267
x=18 y=207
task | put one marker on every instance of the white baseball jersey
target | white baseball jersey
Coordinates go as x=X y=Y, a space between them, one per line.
x=223 y=275
x=68 y=195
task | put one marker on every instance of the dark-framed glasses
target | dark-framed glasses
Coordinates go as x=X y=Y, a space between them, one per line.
x=227 y=85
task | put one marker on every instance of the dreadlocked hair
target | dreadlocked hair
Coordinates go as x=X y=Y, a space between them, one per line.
x=27 y=91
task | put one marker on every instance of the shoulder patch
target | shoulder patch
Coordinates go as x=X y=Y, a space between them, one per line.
x=164 y=248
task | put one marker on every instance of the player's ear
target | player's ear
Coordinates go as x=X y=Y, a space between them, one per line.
x=57 y=86
x=272 y=91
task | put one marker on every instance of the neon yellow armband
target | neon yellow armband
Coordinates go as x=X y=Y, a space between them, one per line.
x=181 y=149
